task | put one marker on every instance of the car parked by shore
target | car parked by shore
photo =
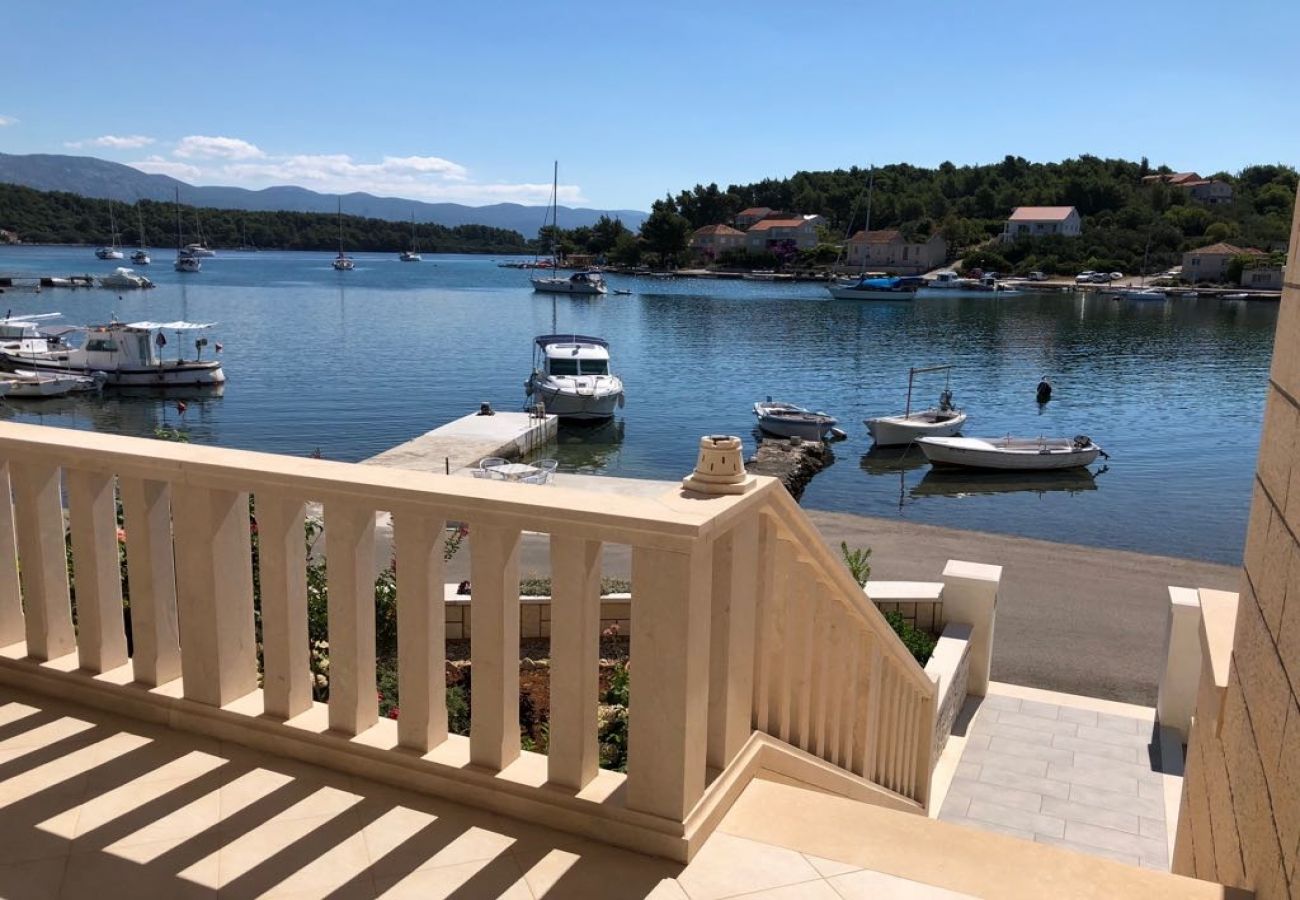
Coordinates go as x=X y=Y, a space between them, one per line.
x=1085 y=277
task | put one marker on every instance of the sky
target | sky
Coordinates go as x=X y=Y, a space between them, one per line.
x=471 y=102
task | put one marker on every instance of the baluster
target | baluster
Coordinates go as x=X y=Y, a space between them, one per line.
x=924 y=749
x=92 y=514
x=866 y=722
x=836 y=663
x=731 y=652
x=350 y=569
x=574 y=755
x=908 y=760
x=282 y=563
x=494 y=645
x=668 y=726
x=38 y=517
x=421 y=630
x=214 y=587
x=820 y=656
x=897 y=735
x=11 y=595
x=777 y=636
x=151 y=576
x=770 y=590
x=799 y=624
x=851 y=697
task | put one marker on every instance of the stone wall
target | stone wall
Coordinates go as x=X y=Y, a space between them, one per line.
x=535 y=615
x=949 y=667
x=1240 y=817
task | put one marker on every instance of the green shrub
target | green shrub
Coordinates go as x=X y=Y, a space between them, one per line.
x=919 y=643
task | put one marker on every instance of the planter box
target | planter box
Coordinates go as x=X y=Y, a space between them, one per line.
x=534 y=614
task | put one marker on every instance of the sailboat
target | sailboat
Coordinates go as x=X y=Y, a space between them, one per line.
x=141 y=256
x=185 y=261
x=585 y=282
x=342 y=262
x=245 y=247
x=879 y=287
x=410 y=255
x=111 y=251
x=200 y=248
x=1142 y=292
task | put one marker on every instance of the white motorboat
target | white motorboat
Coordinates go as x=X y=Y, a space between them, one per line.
x=124 y=279
x=108 y=253
x=199 y=250
x=141 y=258
x=787 y=420
x=342 y=262
x=587 y=282
x=1028 y=454
x=28 y=385
x=571 y=377
x=127 y=354
x=943 y=420
x=411 y=255
x=185 y=260
x=1142 y=294
x=886 y=288
x=947 y=280
x=1235 y=297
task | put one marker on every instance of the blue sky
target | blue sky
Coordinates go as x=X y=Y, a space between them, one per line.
x=471 y=102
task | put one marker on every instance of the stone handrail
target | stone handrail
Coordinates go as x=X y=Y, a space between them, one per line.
x=706 y=617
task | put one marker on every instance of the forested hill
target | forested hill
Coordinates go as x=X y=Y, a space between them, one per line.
x=60 y=218
x=969 y=204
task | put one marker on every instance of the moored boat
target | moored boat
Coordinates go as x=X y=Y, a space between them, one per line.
x=1027 y=454
x=123 y=278
x=28 y=385
x=572 y=379
x=127 y=354
x=411 y=254
x=185 y=260
x=884 y=288
x=586 y=282
x=342 y=262
x=787 y=420
x=943 y=420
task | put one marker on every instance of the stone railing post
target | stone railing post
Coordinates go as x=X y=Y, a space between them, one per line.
x=1176 y=701
x=970 y=597
x=732 y=636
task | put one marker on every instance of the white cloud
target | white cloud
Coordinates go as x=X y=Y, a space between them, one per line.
x=156 y=165
x=198 y=146
x=7 y=120
x=113 y=142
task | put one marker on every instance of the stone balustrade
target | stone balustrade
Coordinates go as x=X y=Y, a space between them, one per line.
x=744 y=622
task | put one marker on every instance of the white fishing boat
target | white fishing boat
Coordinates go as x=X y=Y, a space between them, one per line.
x=29 y=332
x=587 y=282
x=571 y=377
x=947 y=280
x=1027 y=454
x=943 y=420
x=112 y=250
x=141 y=256
x=124 y=279
x=185 y=260
x=342 y=262
x=787 y=420
x=1140 y=293
x=411 y=255
x=126 y=353
x=28 y=385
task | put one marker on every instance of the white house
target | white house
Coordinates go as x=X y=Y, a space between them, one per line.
x=1036 y=221
x=769 y=233
x=891 y=252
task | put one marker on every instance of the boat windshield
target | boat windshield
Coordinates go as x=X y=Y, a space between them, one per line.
x=566 y=367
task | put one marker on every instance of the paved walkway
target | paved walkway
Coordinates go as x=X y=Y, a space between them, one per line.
x=1062 y=774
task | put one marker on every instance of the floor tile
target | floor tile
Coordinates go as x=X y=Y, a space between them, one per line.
x=1131 y=859
x=1023 y=820
x=1073 y=811
x=1092 y=748
x=1010 y=778
x=727 y=865
x=829 y=867
x=879 y=886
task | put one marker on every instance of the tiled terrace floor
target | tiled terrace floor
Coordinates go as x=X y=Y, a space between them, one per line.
x=1059 y=773
x=100 y=807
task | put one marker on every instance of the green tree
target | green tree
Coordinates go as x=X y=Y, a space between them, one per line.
x=666 y=232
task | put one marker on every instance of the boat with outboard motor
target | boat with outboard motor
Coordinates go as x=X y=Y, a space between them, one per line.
x=585 y=282
x=124 y=279
x=1028 y=454
x=943 y=420
x=127 y=353
x=571 y=377
x=787 y=420
x=26 y=385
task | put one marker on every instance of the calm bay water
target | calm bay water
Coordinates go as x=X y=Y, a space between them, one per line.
x=353 y=363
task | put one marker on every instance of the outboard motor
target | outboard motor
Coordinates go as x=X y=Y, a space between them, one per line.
x=1044 y=392
x=945 y=401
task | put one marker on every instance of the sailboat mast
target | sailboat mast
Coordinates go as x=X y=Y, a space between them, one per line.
x=112 y=225
x=139 y=217
x=555 y=218
x=340 y=226
x=866 y=226
x=178 y=220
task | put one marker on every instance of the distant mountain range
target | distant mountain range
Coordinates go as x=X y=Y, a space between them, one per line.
x=99 y=178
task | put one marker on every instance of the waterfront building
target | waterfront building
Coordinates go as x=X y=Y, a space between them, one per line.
x=1210 y=263
x=747 y=217
x=1037 y=221
x=1262 y=278
x=763 y=236
x=890 y=251
x=712 y=241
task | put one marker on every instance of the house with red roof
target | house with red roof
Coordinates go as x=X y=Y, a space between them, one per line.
x=769 y=233
x=1211 y=263
x=747 y=217
x=1204 y=190
x=712 y=241
x=1037 y=221
x=890 y=251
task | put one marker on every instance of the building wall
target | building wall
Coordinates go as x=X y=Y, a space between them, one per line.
x=1240 y=818
x=1204 y=266
x=1262 y=279
x=1070 y=226
x=906 y=259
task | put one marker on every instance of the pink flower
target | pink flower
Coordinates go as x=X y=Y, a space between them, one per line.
x=392 y=713
x=121 y=535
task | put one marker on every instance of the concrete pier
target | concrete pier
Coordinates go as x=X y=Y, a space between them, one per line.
x=463 y=442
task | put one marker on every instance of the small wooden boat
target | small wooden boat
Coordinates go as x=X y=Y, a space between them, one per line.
x=787 y=420
x=943 y=420
x=1026 y=454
